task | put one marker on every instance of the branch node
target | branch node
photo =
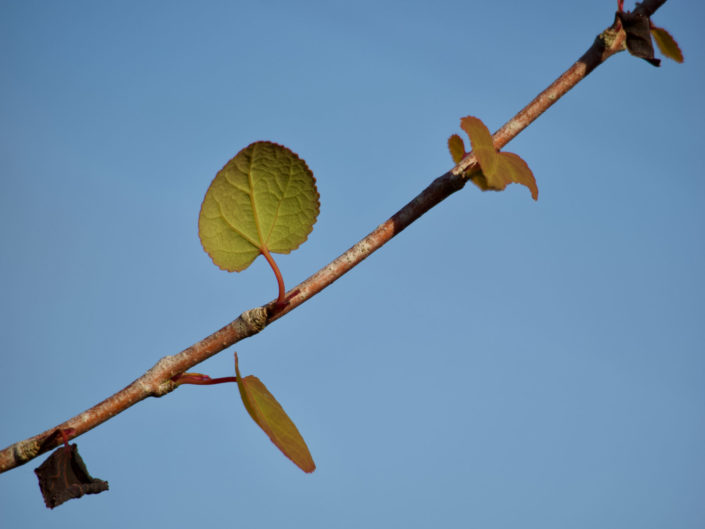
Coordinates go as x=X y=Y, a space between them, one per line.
x=609 y=37
x=26 y=450
x=165 y=387
x=255 y=319
x=151 y=382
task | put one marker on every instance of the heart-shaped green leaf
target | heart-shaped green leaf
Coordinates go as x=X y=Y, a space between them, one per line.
x=263 y=200
x=271 y=417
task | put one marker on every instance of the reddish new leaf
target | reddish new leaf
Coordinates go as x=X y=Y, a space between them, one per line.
x=498 y=168
x=456 y=146
x=667 y=44
x=64 y=476
x=271 y=417
x=637 y=28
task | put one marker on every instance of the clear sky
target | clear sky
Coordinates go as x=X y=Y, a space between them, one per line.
x=503 y=363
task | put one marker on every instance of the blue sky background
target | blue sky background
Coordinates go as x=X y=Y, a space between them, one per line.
x=500 y=364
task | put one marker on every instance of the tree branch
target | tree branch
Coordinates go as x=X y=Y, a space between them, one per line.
x=158 y=380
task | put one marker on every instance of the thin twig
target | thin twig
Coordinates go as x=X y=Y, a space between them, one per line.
x=158 y=380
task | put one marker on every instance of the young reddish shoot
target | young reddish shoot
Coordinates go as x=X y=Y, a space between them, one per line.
x=65 y=435
x=200 y=380
x=281 y=300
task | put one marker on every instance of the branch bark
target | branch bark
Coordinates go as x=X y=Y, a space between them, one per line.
x=157 y=381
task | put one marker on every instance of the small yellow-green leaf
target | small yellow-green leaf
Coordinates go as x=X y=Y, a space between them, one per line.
x=271 y=417
x=456 y=146
x=497 y=168
x=512 y=168
x=667 y=44
x=480 y=142
x=264 y=199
